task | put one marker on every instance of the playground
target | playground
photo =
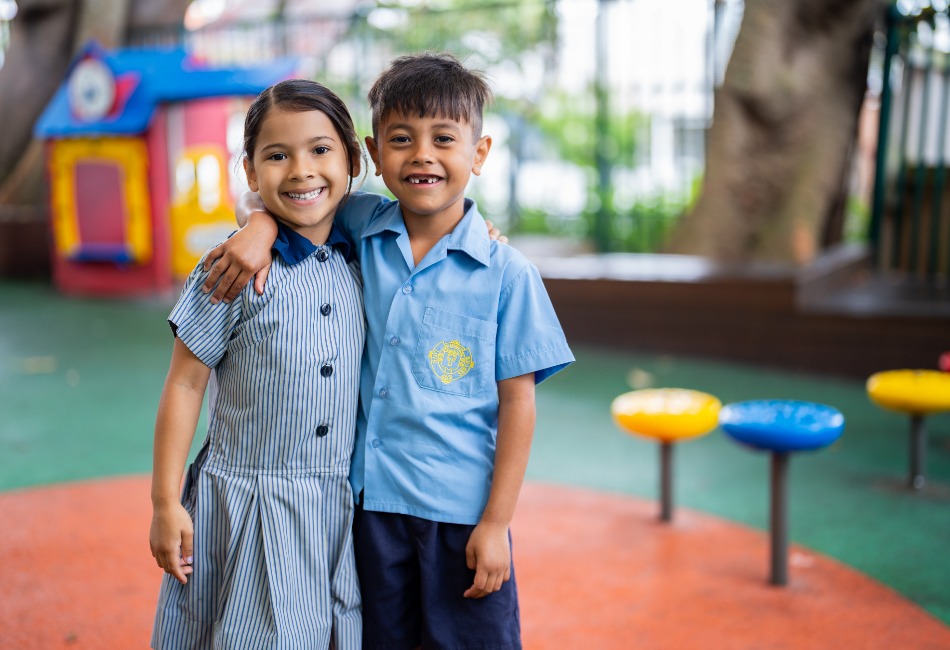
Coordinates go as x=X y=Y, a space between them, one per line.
x=79 y=384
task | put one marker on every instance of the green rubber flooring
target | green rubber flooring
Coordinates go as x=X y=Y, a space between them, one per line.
x=80 y=380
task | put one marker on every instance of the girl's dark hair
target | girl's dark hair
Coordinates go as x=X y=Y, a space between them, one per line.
x=430 y=84
x=297 y=96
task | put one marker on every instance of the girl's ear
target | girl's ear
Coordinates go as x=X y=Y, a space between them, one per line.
x=373 y=153
x=251 y=175
x=357 y=165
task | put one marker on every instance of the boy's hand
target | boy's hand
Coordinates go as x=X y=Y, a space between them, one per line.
x=237 y=260
x=494 y=233
x=489 y=554
x=171 y=541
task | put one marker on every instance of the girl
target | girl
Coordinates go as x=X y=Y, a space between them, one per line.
x=258 y=550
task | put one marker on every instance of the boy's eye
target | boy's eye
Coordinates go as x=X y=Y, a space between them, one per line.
x=444 y=139
x=400 y=139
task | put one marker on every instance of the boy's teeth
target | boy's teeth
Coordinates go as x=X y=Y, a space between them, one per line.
x=430 y=180
x=305 y=197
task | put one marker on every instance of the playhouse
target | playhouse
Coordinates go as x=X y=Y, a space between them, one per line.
x=143 y=153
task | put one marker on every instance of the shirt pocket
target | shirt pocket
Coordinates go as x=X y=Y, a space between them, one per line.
x=455 y=353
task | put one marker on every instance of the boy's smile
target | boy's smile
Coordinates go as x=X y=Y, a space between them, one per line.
x=299 y=169
x=426 y=162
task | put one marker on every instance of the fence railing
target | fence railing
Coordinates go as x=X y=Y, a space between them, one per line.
x=910 y=213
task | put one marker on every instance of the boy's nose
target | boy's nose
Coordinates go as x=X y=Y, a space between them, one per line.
x=422 y=153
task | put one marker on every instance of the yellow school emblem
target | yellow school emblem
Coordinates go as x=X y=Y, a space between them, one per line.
x=450 y=361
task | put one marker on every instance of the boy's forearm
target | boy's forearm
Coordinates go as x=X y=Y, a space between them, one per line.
x=247 y=206
x=516 y=418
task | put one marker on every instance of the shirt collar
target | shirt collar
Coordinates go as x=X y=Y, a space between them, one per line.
x=470 y=235
x=294 y=247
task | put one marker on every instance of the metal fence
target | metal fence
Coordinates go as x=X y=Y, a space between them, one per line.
x=910 y=216
x=601 y=105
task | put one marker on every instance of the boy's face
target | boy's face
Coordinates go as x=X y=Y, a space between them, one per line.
x=426 y=163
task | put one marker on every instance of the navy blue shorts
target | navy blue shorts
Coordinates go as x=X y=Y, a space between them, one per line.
x=412 y=576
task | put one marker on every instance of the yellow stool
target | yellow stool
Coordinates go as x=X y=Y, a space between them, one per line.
x=916 y=393
x=668 y=415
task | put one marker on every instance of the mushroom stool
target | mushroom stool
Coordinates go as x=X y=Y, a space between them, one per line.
x=944 y=362
x=668 y=415
x=916 y=393
x=781 y=427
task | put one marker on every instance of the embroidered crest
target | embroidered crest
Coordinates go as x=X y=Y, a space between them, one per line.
x=450 y=361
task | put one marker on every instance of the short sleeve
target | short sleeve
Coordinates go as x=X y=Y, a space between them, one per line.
x=355 y=214
x=529 y=336
x=204 y=328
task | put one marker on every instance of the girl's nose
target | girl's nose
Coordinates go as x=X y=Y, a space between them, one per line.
x=302 y=170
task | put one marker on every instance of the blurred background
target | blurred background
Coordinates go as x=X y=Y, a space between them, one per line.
x=745 y=198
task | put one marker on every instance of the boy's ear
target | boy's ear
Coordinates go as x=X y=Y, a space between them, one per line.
x=481 y=153
x=251 y=175
x=373 y=153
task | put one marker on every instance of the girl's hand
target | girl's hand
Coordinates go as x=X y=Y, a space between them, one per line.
x=495 y=234
x=171 y=541
x=489 y=554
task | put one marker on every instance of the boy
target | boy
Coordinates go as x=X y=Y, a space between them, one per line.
x=459 y=331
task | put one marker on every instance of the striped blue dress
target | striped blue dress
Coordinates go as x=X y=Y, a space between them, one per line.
x=268 y=492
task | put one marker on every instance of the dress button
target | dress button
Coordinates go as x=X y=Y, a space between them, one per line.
x=323 y=255
x=376 y=443
x=407 y=288
x=384 y=392
x=325 y=309
x=322 y=430
x=394 y=341
x=326 y=370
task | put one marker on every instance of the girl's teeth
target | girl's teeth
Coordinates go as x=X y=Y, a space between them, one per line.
x=304 y=197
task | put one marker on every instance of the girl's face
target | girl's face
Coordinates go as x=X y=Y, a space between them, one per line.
x=299 y=168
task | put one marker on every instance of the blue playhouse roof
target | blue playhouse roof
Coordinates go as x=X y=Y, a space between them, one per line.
x=146 y=78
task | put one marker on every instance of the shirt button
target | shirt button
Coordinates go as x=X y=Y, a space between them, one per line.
x=322 y=430
x=384 y=392
x=376 y=443
x=394 y=341
x=326 y=309
x=323 y=255
x=326 y=370
x=407 y=288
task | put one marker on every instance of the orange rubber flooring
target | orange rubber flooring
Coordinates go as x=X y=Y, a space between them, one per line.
x=595 y=571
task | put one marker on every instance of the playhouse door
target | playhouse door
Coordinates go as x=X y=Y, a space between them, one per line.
x=100 y=200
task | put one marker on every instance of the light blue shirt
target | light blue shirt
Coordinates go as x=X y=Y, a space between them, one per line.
x=440 y=336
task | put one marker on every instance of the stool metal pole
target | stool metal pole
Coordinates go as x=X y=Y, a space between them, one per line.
x=666 y=480
x=779 y=518
x=918 y=452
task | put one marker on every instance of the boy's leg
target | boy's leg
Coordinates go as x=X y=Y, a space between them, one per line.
x=448 y=619
x=388 y=568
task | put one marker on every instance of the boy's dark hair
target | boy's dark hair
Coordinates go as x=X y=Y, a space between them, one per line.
x=297 y=96
x=430 y=84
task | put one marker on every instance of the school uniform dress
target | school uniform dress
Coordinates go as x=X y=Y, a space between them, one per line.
x=268 y=492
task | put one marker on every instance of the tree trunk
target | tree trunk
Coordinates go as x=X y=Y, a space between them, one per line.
x=784 y=122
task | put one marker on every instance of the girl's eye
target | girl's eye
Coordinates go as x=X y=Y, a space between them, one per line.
x=277 y=156
x=321 y=150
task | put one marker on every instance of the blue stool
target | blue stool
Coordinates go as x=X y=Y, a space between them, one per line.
x=781 y=427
